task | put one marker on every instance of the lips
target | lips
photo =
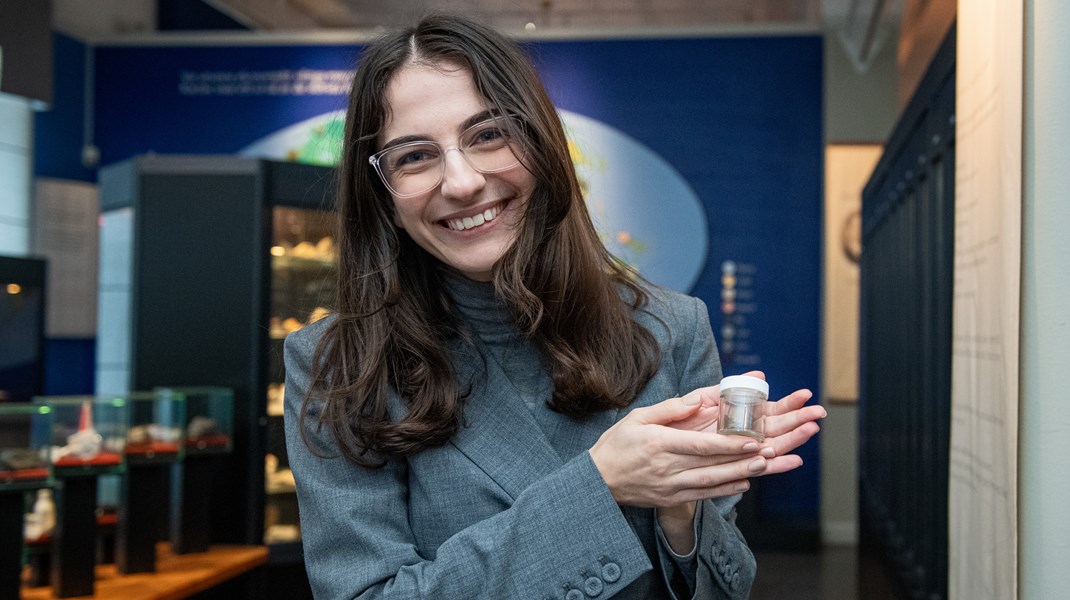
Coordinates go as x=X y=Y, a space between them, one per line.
x=476 y=220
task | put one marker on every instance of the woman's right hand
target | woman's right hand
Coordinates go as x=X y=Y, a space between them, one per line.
x=647 y=463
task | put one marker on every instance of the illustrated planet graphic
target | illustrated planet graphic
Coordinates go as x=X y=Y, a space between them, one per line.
x=644 y=210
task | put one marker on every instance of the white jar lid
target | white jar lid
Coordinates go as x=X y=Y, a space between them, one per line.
x=745 y=381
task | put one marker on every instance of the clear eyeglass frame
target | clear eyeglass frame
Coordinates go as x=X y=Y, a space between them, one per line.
x=514 y=144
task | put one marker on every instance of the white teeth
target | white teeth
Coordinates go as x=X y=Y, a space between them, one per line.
x=475 y=220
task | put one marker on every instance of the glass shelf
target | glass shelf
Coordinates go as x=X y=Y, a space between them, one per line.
x=88 y=434
x=25 y=445
x=303 y=271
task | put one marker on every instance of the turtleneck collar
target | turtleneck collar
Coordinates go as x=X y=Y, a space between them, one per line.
x=480 y=307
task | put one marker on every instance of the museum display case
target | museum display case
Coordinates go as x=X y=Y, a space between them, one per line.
x=25 y=444
x=89 y=434
x=154 y=443
x=22 y=328
x=87 y=440
x=233 y=254
x=209 y=433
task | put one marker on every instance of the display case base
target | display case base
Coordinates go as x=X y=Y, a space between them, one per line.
x=75 y=537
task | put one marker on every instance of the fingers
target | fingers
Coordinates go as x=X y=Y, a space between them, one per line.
x=704 y=444
x=779 y=424
x=783 y=464
x=792 y=401
x=676 y=409
x=730 y=488
x=785 y=443
x=706 y=477
x=687 y=462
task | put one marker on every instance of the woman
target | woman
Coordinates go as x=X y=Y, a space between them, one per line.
x=499 y=409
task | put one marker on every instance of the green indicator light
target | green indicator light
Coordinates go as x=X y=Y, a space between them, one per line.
x=43 y=410
x=118 y=403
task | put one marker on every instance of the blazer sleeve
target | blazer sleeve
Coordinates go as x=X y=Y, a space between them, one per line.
x=725 y=566
x=563 y=537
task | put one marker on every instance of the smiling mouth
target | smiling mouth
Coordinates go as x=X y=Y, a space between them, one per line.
x=475 y=220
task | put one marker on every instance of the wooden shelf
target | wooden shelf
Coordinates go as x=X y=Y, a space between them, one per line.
x=176 y=577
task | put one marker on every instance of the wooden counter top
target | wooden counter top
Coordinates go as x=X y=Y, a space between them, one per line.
x=176 y=576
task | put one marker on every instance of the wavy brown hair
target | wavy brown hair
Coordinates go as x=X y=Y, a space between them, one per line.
x=567 y=294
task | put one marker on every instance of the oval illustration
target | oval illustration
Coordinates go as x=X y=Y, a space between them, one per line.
x=644 y=210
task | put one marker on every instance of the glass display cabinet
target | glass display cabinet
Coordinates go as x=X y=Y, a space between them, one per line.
x=87 y=440
x=209 y=427
x=233 y=253
x=88 y=436
x=22 y=328
x=209 y=420
x=154 y=442
x=25 y=443
x=25 y=446
x=303 y=264
x=157 y=424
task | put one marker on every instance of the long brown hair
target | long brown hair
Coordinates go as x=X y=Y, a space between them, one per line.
x=568 y=295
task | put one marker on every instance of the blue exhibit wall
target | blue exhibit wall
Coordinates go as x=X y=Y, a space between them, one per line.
x=59 y=131
x=739 y=119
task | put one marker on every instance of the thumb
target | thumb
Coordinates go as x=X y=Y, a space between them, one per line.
x=676 y=409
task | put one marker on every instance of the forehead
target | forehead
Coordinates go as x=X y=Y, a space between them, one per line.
x=430 y=99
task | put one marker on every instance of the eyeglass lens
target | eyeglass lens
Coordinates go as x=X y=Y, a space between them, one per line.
x=417 y=167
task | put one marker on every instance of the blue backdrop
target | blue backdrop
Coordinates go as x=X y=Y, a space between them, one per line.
x=738 y=119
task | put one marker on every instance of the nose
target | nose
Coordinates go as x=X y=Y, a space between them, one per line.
x=459 y=180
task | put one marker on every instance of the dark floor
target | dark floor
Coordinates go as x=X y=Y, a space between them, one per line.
x=833 y=573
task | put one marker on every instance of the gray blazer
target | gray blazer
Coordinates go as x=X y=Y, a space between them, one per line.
x=513 y=506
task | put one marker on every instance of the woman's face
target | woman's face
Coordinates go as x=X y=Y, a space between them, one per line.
x=470 y=219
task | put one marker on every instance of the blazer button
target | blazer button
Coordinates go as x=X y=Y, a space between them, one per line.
x=593 y=586
x=611 y=572
x=574 y=594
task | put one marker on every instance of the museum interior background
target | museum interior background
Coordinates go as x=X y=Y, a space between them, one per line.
x=852 y=194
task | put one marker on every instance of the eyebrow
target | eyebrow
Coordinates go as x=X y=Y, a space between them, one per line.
x=479 y=117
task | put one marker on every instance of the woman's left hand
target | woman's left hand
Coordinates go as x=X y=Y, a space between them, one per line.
x=789 y=423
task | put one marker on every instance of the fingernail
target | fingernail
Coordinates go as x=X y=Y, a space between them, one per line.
x=757 y=465
x=824 y=413
x=742 y=487
x=768 y=452
x=750 y=447
x=691 y=399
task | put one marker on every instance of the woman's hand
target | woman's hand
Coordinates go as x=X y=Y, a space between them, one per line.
x=666 y=467
x=788 y=425
x=647 y=460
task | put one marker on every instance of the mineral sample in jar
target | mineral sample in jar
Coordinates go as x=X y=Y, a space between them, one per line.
x=742 y=407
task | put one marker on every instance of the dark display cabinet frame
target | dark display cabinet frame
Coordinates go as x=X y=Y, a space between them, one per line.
x=21 y=384
x=201 y=231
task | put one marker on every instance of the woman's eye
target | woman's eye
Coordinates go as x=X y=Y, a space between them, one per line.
x=489 y=135
x=413 y=158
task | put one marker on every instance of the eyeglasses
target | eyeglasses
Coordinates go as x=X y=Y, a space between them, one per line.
x=413 y=168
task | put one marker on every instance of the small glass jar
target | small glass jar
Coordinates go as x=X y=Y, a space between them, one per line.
x=742 y=407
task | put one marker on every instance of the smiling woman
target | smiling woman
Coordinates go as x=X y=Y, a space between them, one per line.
x=446 y=187
x=499 y=408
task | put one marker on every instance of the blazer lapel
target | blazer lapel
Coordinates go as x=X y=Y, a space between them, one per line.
x=499 y=433
x=569 y=436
